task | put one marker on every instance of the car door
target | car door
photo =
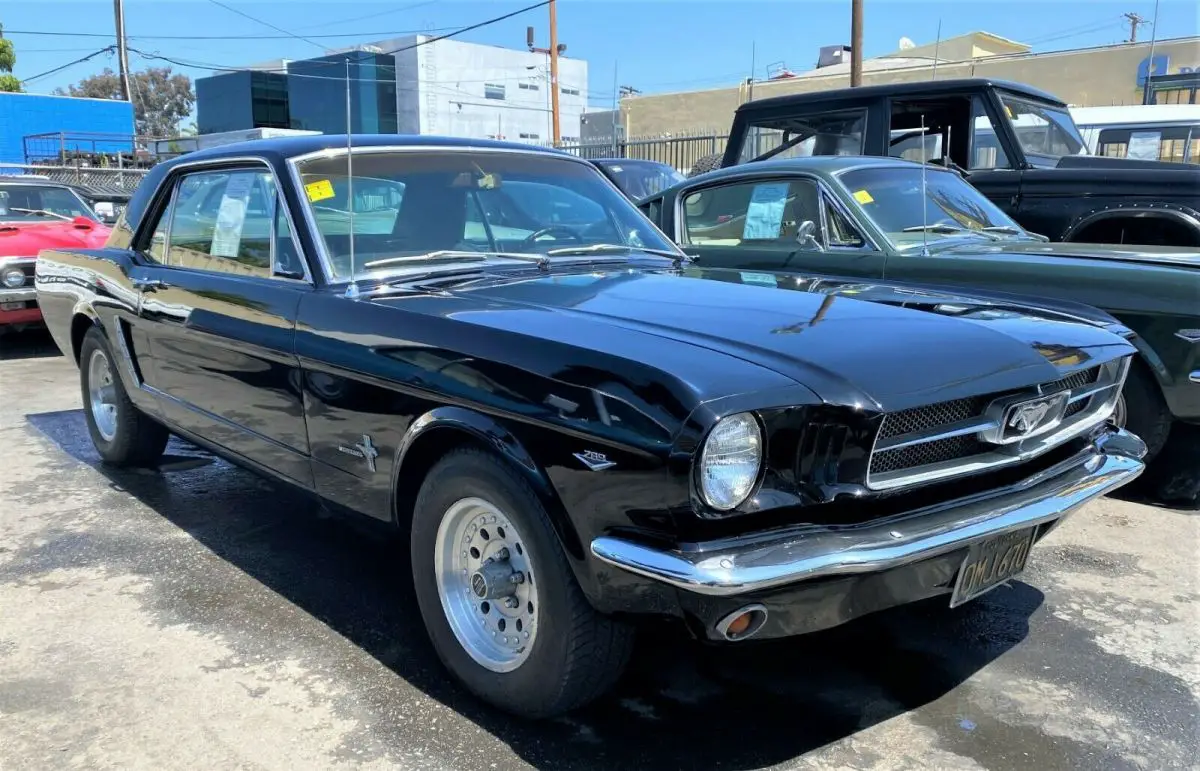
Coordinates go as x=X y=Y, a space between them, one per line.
x=773 y=223
x=219 y=310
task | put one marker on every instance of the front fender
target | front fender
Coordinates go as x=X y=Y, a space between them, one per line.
x=1178 y=213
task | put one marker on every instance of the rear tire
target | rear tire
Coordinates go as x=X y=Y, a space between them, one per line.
x=120 y=432
x=1143 y=411
x=705 y=164
x=574 y=654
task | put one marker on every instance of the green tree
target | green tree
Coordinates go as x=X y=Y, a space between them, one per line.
x=160 y=99
x=8 y=60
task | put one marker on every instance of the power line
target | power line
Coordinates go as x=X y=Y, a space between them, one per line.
x=373 y=15
x=372 y=34
x=245 y=15
x=80 y=60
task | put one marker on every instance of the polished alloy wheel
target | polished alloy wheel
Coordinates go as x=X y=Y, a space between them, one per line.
x=102 y=393
x=485 y=580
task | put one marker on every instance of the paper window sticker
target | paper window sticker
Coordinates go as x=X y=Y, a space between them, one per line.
x=863 y=197
x=764 y=216
x=319 y=190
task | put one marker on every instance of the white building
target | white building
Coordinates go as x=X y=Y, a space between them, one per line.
x=484 y=92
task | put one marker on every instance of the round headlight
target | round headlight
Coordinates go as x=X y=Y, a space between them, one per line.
x=730 y=461
x=12 y=277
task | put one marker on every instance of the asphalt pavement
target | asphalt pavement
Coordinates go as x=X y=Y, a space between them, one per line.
x=197 y=617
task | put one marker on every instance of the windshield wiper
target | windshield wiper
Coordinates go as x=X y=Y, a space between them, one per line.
x=942 y=227
x=451 y=255
x=1007 y=230
x=41 y=213
x=568 y=251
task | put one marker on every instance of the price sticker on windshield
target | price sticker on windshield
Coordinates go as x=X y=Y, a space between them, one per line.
x=863 y=197
x=319 y=190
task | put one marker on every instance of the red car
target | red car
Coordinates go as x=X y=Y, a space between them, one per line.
x=37 y=214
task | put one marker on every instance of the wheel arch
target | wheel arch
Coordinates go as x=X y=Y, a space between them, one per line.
x=1177 y=214
x=83 y=318
x=442 y=430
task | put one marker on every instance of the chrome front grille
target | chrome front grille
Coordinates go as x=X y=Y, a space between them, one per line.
x=969 y=435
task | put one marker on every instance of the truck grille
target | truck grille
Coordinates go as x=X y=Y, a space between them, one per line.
x=969 y=435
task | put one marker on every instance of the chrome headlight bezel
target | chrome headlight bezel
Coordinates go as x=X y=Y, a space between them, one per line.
x=7 y=274
x=741 y=434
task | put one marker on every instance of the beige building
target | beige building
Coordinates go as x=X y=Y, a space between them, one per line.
x=1085 y=77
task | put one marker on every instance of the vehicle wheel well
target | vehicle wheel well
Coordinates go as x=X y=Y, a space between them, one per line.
x=79 y=328
x=1150 y=231
x=425 y=452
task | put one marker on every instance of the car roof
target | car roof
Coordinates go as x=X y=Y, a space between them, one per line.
x=290 y=147
x=827 y=165
x=930 y=87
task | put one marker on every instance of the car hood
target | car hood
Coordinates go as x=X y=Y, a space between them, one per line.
x=1151 y=255
x=26 y=239
x=846 y=350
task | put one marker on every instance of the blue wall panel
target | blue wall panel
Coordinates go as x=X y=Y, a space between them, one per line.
x=25 y=114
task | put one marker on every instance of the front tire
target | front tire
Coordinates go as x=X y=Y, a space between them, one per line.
x=120 y=432
x=531 y=644
x=1141 y=409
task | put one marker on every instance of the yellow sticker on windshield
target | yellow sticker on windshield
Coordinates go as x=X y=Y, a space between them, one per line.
x=863 y=197
x=319 y=190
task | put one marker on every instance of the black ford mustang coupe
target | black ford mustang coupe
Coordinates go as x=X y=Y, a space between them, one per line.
x=488 y=347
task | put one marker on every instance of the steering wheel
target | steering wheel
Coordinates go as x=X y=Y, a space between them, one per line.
x=552 y=229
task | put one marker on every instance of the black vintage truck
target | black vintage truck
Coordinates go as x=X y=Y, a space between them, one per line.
x=1016 y=144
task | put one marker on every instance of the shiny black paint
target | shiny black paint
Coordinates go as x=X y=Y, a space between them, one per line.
x=1060 y=203
x=629 y=358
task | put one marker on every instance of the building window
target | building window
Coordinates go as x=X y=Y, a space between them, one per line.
x=530 y=136
x=493 y=91
x=570 y=91
x=528 y=86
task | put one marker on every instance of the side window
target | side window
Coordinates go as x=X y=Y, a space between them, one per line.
x=986 y=150
x=783 y=213
x=831 y=133
x=653 y=210
x=222 y=221
x=156 y=251
x=842 y=234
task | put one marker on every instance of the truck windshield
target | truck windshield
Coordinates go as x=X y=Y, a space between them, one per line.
x=947 y=208
x=403 y=211
x=1043 y=129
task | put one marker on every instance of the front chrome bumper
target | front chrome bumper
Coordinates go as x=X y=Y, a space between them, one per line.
x=18 y=295
x=759 y=562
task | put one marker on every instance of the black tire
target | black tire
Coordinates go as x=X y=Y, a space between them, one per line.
x=138 y=440
x=705 y=164
x=1146 y=413
x=577 y=654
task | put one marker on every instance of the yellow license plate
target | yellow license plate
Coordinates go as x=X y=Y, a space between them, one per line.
x=991 y=563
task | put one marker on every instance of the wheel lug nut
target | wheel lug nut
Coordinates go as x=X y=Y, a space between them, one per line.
x=517 y=578
x=511 y=602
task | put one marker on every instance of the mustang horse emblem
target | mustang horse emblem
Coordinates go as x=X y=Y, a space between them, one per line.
x=1026 y=417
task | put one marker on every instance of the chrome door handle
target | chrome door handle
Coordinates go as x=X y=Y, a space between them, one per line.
x=149 y=284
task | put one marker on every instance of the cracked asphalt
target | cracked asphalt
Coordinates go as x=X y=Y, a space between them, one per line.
x=197 y=617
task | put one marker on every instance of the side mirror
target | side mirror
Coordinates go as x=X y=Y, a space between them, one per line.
x=806 y=235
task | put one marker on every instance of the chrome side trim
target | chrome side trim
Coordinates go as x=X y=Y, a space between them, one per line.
x=742 y=566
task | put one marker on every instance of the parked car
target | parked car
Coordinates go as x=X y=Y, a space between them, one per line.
x=1016 y=144
x=1151 y=132
x=874 y=218
x=569 y=433
x=637 y=178
x=37 y=214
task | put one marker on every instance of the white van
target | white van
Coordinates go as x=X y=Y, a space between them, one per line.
x=1150 y=132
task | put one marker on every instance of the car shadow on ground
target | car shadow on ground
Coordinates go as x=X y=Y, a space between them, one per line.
x=682 y=704
x=29 y=344
x=1172 y=481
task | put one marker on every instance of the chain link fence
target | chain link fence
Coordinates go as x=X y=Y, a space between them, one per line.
x=679 y=152
x=99 y=181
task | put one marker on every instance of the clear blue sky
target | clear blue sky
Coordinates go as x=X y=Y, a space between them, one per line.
x=655 y=45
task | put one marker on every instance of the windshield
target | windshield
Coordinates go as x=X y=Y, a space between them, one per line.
x=641 y=179
x=416 y=204
x=1043 y=129
x=950 y=208
x=40 y=203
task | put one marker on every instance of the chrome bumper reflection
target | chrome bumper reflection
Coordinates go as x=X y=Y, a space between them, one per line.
x=755 y=563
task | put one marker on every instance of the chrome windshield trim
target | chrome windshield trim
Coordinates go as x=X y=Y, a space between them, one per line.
x=948 y=431
x=753 y=564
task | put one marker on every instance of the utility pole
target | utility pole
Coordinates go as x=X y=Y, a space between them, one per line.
x=1135 y=21
x=856 y=42
x=553 y=52
x=122 y=51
